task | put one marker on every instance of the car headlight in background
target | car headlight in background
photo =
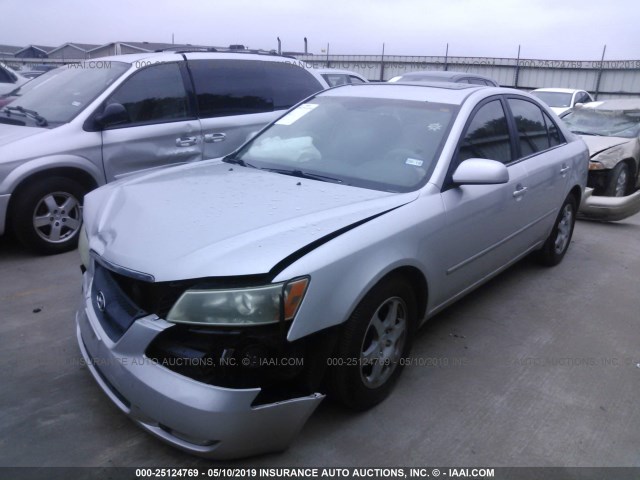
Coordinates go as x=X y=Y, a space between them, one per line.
x=593 y=165
x=240 y=306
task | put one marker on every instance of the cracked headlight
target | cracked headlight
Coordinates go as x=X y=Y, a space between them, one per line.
x=240 y=306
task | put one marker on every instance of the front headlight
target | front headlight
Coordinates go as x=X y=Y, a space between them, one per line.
x=240 y=306
x=593 y=165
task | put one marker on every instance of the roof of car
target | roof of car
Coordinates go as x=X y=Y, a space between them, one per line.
x=440 y=92
x=615 y=104
x=443 y=74
x=337 y=70
x=173 y=56
x=557 y=90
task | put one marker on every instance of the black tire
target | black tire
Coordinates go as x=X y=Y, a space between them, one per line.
x=47 y=214
x=557 y=244
x=619 y=182
x=352 y=378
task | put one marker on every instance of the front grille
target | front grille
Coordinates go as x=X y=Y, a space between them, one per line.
x=114 y=309
x=152 y=297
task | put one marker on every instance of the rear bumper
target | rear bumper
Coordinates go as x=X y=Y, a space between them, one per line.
x=202 y=419
x=609 y=208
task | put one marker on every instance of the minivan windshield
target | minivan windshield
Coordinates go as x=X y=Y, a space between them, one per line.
x=60 y=94
x=382 y=144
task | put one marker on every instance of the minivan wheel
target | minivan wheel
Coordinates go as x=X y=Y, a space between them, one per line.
x=558 y=241
x=47 y=215
x=376 y=339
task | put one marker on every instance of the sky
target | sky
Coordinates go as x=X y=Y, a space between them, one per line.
x=545 y=29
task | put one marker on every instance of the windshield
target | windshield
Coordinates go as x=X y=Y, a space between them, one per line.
x=554 y=99
x=382 y=144
x=587 y=121
x=60 y=94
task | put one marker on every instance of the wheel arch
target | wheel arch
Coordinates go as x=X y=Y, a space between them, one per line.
x=80 y=175
x=418 y=283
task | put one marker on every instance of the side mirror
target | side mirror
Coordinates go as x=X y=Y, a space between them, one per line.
x=480 y=171
x=113 y=114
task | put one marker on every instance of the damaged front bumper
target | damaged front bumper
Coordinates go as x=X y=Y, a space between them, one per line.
x=202 y=419
x=609 y=209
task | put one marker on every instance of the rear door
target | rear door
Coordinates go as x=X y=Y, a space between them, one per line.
x=162 y=128
x=539 y=149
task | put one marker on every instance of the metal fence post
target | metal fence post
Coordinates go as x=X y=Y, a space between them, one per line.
x=600 y=74
x=517 y=74
x=382 y=65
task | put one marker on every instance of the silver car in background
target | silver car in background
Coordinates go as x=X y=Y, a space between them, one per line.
x=82 y=125
x=221 y=301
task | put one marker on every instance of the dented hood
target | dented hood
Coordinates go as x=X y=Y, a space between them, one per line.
x=598 y=144
x=216 y=219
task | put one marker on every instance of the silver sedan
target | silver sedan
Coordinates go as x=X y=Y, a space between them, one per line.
x=222 y=300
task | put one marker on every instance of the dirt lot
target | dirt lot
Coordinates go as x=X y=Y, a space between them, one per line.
x=537 y=368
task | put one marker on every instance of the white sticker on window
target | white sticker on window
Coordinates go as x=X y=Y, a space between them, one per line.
x=297 y=114
x=75 y=103
x=414 y=162
x=434 y=127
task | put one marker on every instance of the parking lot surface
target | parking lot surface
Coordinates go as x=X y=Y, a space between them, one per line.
x=539 y=367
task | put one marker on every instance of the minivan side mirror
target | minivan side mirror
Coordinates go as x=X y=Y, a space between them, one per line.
x=480 y=171
x=113 y=114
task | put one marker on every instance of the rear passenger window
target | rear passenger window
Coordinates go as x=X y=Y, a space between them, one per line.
x=290 y=83
x=231 y=87
x=354 y=79
x=487 y=135
x=532 y=131
x=555 y=138
x=155 y=94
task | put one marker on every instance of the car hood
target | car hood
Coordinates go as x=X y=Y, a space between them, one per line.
x=216 y=219
x=12 y=133
x=599 y=144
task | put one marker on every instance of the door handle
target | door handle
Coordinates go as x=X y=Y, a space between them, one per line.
x=520 y=191
x=186 y=141
x=214 y=137
x=564 y=169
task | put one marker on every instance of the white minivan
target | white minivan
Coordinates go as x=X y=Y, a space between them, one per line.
x=85 y=124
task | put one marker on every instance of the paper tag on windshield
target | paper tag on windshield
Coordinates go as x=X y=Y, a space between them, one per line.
x=414 y=162
x=297 y=114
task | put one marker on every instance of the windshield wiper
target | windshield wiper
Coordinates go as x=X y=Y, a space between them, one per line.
x=301 y=174
x=237 y=161
x=40 y=120
x=577 y=132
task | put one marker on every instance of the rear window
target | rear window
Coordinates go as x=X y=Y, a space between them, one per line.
x=290 y=83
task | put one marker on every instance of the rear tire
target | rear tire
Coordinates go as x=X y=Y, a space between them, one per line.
x=376 y=338
x=47 y=215
x=557 y=244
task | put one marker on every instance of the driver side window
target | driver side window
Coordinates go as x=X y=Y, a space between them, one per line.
x=487 y=135
x=155 y=94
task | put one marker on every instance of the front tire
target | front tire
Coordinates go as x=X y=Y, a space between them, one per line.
x=47 y=215
x=557 y=243
x=619 y=183
x=376 y=338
